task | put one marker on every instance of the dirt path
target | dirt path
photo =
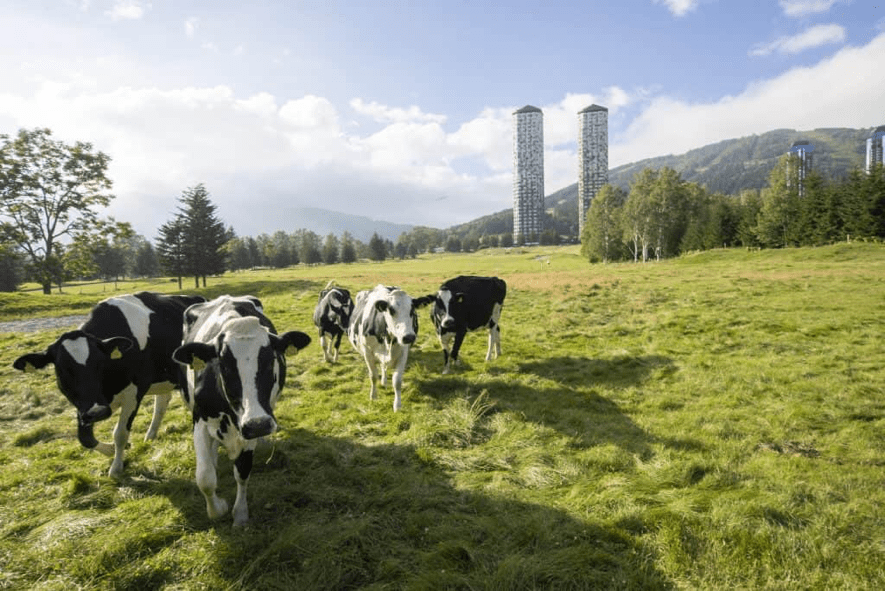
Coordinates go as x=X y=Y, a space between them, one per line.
x=37 y=324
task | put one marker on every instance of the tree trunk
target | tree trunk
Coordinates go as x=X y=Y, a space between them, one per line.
x=47 y=288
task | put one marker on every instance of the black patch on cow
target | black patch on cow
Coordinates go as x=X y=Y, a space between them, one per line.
x=104 y=376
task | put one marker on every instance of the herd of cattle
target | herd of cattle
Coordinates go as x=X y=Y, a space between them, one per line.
x=229 y=362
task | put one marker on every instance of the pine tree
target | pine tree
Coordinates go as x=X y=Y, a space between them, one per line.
x=204 y=234
x=171 y=248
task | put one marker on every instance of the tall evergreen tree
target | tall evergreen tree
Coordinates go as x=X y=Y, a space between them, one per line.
x=171 y=249
x=331 y=249
x=377 y=248
x=348 y=248
x=204 y=234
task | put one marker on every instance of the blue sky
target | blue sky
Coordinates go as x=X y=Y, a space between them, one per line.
x=401 y=111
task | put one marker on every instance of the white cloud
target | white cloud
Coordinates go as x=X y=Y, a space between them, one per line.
x=384 y=114
x=810 y=38
x=259 y=152
x=127 y=10
x=679 y=7
x=209 y=46
x=840 y=91
x=190 y=26
x=800 y=8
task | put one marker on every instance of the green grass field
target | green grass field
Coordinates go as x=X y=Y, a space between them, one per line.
x=711 y=422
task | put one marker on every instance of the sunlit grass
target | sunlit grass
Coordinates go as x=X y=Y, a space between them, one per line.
x=714 y=421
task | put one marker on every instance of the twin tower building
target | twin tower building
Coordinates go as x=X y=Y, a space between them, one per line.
x=528 y=167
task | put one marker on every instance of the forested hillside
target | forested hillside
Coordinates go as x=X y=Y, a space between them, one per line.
x=726 y=167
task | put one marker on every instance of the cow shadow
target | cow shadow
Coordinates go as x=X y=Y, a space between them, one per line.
x=566 y=399
x=331 y=513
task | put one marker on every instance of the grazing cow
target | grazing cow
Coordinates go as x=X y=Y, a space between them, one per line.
x=332 y=317
x=121 y=353
x=383 y=327
x=235 y=371
x=468 y=303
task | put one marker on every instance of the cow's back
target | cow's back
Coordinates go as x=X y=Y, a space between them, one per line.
x=152 y=322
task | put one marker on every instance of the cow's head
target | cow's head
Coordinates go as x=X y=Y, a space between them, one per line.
x=248 y=362
x=85 y=368
x=397 y=310
x=447 y=307
x=340 y=308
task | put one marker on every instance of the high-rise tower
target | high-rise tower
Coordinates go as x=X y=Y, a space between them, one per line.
x=875 y=148
x=528 y=174
x=592 y=157
x=802 y=150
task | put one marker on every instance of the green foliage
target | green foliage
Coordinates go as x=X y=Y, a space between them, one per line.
x=377 y=248
x=712 y=421
x=49 y=190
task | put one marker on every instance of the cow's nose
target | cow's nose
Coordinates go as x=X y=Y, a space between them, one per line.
x=259 y=427
x=96 y=413
x=408 y=339
x=448 y=323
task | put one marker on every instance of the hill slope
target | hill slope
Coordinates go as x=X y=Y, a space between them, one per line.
x=725 y=167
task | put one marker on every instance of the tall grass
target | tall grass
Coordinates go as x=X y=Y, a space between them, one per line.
x=714 y=421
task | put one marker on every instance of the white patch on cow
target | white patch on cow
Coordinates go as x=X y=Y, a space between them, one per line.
x=136 y=314
x=374 y=351
x=78 y=349
x=446 y=297
x=245 y=337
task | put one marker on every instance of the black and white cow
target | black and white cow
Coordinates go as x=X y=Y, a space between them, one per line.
x=383 y=327
x=468 y=303
x=332 y=317
x=121 y=353
x=235 y=369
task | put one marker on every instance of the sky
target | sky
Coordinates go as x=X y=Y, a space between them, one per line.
x=402 y=110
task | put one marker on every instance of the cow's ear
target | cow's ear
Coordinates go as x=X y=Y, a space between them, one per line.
x=114 y=347
x=32 y=361
x=424 y=300
x=382 y=305
x=291 y=342
x=195 y=355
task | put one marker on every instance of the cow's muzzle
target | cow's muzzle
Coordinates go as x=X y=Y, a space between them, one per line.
x=258 y=427
x=408 y=339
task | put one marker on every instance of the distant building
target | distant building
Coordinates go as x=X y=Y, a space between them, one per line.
x=592 y=157
x=802 y=150
x=528 y=174
x=875 y=151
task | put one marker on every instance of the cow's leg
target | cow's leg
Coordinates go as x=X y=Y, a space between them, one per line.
x=337 y=345
x=399 y=365
x=324 y=346
x=242 y=469
x=456 y=347
x=206 y=449
x=129 y=401
x=373 y=374
x=162 y=396
x=445 y=339
x=495 y=332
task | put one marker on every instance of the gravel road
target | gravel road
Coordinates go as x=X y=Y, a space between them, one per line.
x=37 y=324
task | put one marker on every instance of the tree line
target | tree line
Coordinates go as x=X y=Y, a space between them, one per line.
x=51 y=231
x=663 y=216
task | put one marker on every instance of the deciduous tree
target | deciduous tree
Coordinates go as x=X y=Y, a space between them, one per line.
x=49 y=190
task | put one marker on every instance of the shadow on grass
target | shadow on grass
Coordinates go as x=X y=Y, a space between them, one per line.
x=572 y=406
x=329 y=513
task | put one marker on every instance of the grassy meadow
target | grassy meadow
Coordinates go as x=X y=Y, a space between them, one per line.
x=715 y=421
